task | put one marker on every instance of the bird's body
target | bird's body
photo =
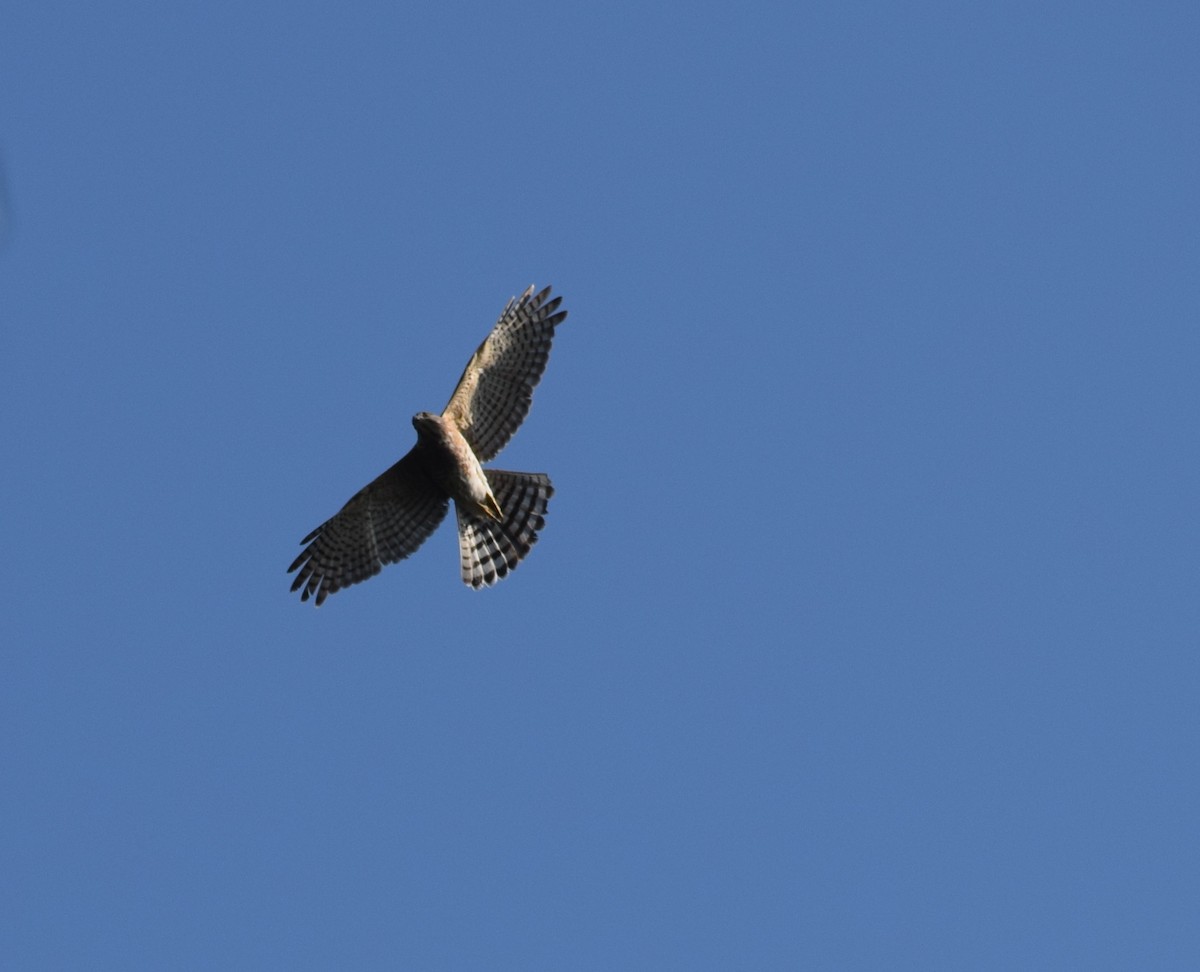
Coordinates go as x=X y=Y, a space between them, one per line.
x=452 y=464
x=498 y=513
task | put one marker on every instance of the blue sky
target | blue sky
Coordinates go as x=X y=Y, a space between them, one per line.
x=863 y=629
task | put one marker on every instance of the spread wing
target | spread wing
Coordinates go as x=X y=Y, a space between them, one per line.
x=385 y=521
x=496 y=388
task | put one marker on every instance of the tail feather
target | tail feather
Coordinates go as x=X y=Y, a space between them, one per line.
x=489 y=549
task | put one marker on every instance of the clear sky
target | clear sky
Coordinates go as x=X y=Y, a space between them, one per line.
x=863 y=631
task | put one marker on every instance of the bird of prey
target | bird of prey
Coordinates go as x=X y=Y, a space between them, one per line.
x=499 y=513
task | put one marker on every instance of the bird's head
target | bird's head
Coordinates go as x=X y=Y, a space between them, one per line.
x=427 y=424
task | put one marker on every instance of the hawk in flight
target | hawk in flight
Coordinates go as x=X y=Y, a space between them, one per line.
x=499 y=513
